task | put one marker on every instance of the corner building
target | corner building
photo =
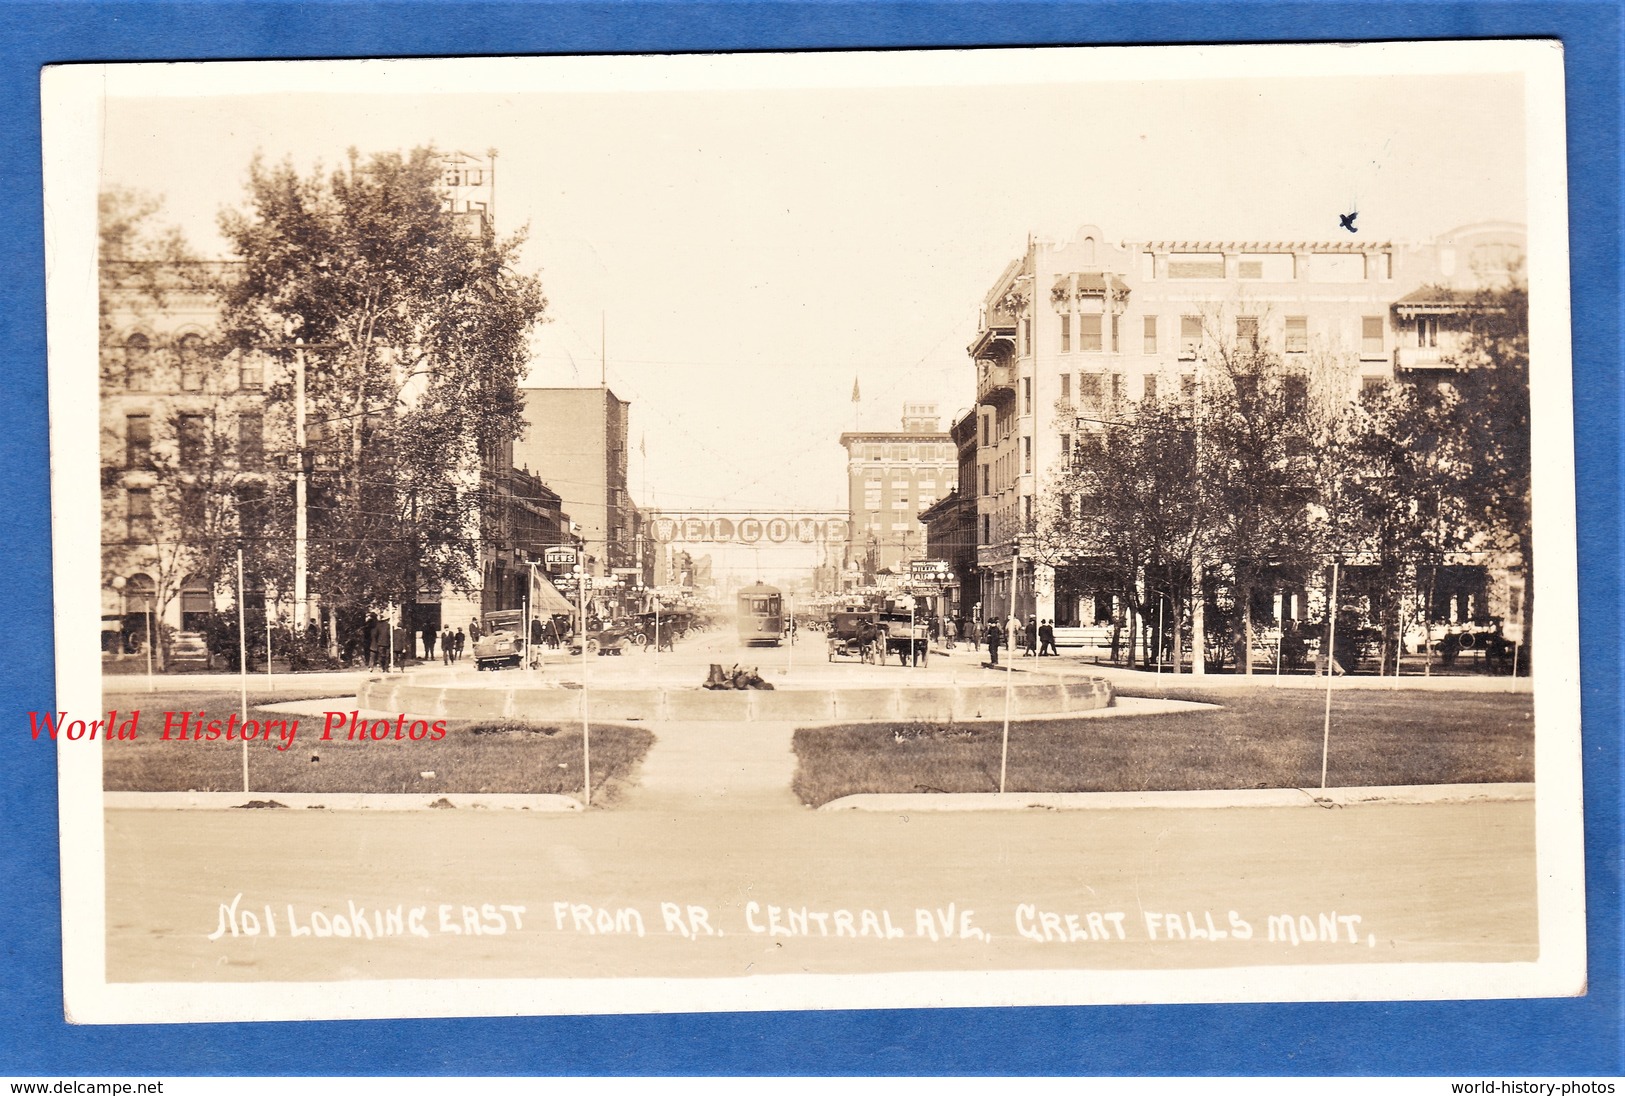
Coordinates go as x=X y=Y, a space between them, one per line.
x=1070 y=328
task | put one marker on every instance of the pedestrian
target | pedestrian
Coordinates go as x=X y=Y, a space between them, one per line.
x=473 y=631
x=428 y=643
x=1046 y=640
x=995 y=639
x=445 y=646
x=365 y=640
x=457 y=646
x=1031 y=638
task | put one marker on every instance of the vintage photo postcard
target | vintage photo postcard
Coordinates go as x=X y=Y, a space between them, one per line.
x=845 y=530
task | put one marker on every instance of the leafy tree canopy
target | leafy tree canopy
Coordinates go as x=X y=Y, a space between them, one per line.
x=413 y=322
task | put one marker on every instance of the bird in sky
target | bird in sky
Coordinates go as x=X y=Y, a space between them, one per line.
x=1346 y=220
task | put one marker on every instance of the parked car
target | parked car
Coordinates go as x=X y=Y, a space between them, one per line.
x=503 y=641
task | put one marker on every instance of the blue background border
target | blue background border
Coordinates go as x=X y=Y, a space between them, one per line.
x=1485 y=1039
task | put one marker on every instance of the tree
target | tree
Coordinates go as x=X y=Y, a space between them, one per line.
x=412 y=324
x=1493 y=420
x=1399 y=498
x=1124 y=506
x=1258 y=424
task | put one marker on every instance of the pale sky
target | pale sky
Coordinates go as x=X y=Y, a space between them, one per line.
x=752 y=251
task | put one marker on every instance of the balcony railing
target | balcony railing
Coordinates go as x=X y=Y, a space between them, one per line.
x=995 y=383
x=1422 y=357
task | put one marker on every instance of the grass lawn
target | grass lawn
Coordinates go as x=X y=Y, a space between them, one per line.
x=474 y=756
x=1268 y=738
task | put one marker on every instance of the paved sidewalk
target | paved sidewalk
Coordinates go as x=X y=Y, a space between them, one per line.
x=695 y=766
x=1143 y=683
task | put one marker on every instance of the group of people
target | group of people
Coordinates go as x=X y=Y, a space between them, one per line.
x=1036 y=638
x=375 y=645
x=451 y=643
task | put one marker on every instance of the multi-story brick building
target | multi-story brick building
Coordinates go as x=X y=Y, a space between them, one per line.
x=950 y=528
x=576 y=439
x=191 y=436
x=893 y=475
x=1072 y=328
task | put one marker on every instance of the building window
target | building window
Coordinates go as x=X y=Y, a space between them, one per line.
x=1295 y=394
x=1027 y=336
x=1066 y=333
x=251 y=441
x=1196 y=266
x=1066 y=386
x=987 y=480
x=1089 y=336
x=251 y=515
x=191 y=435
x=1026 y=454
x=1297 y=334
x=1150 y=386
x=138 y=515
x=1148 y=342
x=1247 y=334
x=137 y=441
x=137 y=363
x=190 y=349
x=251 y=371
x=1066 y=448
x=1371 y=338
x=1371 y=387
x=1427 y=331
x=1090 y=389
x=1190 y=336
x=1026 y=395
x=1116 y=342
x=987 y=429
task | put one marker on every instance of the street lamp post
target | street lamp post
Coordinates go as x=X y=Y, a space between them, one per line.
x=119 y=584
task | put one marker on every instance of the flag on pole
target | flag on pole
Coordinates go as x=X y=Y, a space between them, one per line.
x=642 y=438
x=855 y=397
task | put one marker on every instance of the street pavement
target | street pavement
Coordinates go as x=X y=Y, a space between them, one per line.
x=764 y=888
x=709 y=867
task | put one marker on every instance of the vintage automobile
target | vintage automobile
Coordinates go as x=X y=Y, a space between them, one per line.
x=502 y=643
x=605 y=638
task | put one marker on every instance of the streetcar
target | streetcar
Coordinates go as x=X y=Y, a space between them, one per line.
x=761 y=615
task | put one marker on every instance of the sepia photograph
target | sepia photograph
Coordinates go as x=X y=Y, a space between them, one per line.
x=849 y=530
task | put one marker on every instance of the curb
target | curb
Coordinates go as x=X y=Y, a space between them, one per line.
x=1327 y=798
x=338 y=801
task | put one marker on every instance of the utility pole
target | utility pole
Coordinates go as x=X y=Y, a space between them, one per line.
x=301 y=576
x=1198 y=595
